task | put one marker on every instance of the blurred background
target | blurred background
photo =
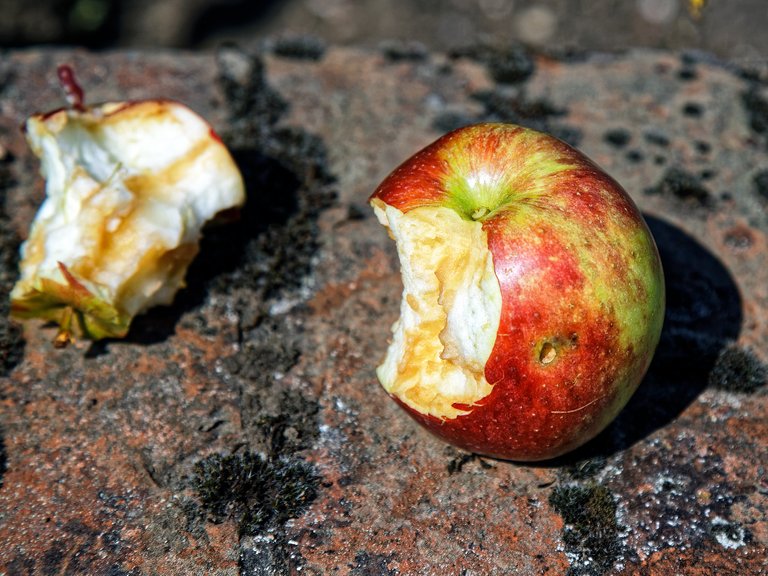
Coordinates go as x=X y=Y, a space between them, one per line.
x=731 y=29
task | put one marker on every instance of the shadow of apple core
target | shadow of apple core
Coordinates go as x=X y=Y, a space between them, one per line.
x=703 y=315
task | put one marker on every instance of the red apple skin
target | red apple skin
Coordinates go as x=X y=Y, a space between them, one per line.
x=577 y=268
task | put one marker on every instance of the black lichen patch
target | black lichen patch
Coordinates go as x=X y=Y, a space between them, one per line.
x=298 y=47
x=760 y=184
x=510 y=65
x=402 y=50
x=513 y=106
x=3 y=458
x=656 y=138
x=508 y=102
x=568 y=134
x=635 y=156
x=255 y=491
x=591 y=531
x=756 y=106
x=738 y=369
x=687 y=73
x=267 y=253
x=449 y=120
x=683 y=186
x=516 y=108
x=457 y=463
x=586 y=469
x=253 y=105
x=367 y=564
x=11 y=338
x=22 y=564
x=693 y=110
x=288 y=181
x=702 y=147
x=80 y=550
x=278 y=419
x=618 y=137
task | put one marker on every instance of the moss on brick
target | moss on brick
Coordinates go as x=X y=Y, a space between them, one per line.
x=591 y=532
x=255 y=491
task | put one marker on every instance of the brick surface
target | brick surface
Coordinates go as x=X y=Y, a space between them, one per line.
x=242 y=429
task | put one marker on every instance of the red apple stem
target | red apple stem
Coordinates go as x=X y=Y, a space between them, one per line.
x=72 y=90
x=64 y=335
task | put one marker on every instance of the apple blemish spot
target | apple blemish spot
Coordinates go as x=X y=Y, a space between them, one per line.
x=548 y=353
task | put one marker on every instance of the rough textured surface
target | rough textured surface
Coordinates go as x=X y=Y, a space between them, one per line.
x=242 y=429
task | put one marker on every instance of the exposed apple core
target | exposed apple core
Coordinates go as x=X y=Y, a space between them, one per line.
x=449 y=313
x=129 y=187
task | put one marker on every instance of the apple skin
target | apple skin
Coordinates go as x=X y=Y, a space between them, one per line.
x=578 y=271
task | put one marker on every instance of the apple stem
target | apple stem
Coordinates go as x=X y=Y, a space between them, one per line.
x=64 y=335
x=72 y=90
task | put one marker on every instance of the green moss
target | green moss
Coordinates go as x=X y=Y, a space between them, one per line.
x=256 y=492
x=591 y=530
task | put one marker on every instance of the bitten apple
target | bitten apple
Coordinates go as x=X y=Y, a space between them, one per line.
x=129 y=186
x=533 y=294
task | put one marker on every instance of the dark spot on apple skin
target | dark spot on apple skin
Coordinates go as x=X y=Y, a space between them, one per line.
x=591 y=531
x=738 y=369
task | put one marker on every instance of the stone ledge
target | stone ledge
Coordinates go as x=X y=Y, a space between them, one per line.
x=130 y=457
